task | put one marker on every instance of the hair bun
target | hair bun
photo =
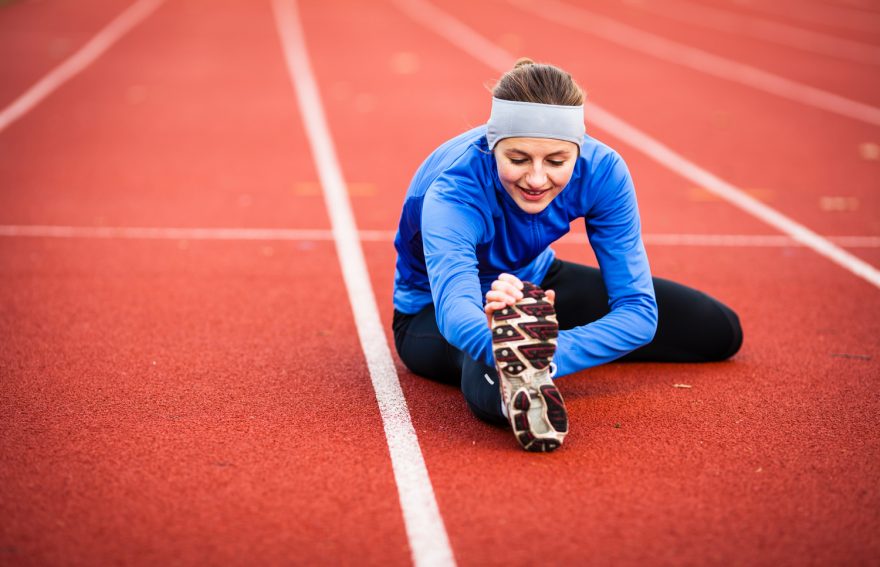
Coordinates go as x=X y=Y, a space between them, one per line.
x=540 y=83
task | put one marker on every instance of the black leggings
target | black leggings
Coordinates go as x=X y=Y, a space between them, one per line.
x=692 y=327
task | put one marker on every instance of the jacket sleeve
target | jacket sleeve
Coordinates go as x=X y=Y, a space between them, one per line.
x=453 y=225
x=614 y=230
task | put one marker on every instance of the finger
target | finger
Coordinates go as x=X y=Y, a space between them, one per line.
x=510 y=278
x=550 y=295
x=494 y=306
x=501 y=296
x=507 y=287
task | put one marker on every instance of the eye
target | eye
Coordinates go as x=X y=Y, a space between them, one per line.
x=518 y=161
x=556 y=162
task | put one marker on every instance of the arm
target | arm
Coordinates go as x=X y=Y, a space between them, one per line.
x=452 y=227
x=614 y=230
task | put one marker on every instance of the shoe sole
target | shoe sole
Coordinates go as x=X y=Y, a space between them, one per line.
x=524 y=342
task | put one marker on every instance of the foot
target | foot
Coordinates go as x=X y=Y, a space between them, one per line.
x=524 y=337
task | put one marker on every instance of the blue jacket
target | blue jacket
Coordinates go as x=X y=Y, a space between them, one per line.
x=460 y=229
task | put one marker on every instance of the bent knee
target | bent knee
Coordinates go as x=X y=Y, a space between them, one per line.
x=731 y=339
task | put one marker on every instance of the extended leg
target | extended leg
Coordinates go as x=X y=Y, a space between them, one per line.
x=479 y=384
x=423 y=349
x=425 y=352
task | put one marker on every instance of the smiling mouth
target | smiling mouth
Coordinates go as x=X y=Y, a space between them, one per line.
x=532 y=194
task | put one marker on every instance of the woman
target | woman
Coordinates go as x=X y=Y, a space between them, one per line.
x=476 y=226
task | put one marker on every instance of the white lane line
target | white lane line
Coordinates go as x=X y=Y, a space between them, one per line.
x=750 y=240
x=765 y=30
x=479 y=47
x=685 y=55
x=74 y=64
x=322 y=235
x=429 y=543
x=164 y=233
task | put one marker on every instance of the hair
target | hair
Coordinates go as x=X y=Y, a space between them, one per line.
x=539 y=83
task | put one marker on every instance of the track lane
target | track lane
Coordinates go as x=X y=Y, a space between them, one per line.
x=679 y=480
x=163 y=410
x=704 y=62
x=838 y=20
x=37 y=36
x=853 y=80
x=234 y=446
x=784 y=34
x=425 y=530
x=192 y=168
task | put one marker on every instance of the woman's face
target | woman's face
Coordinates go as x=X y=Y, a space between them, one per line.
x=534 y=171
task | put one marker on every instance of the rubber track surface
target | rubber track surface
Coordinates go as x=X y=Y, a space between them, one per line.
x=207 y=402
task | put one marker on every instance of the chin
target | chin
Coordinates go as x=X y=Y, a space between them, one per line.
x=533 y=207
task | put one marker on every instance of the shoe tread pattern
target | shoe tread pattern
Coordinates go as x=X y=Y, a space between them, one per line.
x=524 y=339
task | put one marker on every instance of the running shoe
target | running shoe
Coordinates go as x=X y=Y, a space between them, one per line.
x=524 y=341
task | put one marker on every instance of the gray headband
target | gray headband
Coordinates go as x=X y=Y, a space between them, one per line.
x=514 y=119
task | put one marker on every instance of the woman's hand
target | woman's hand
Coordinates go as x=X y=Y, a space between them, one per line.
x=507 y=290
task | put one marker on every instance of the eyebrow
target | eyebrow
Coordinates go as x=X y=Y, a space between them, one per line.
x=524 y=153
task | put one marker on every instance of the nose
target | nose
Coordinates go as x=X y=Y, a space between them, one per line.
x=537 y=178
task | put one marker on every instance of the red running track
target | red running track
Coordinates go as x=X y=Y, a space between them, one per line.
x=207 y=402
